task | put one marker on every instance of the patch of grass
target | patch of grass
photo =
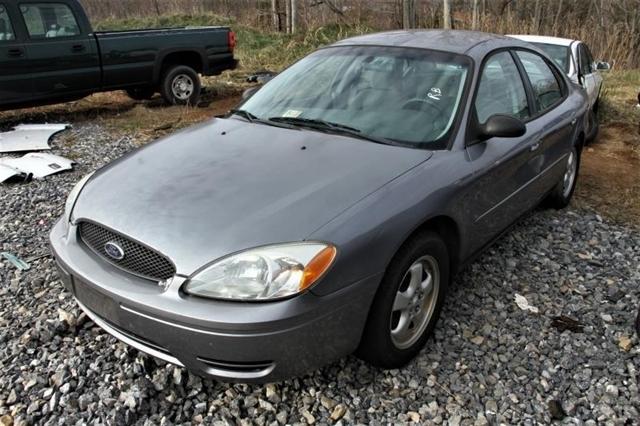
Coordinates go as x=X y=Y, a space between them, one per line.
x=619 y=98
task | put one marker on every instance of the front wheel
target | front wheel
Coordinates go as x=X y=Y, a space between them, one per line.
x=408 y=303
x=560 y=196
x=181 y=86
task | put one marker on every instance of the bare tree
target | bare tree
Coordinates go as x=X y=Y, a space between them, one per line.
x=446 y=10
x=475 y=18
x=408 y=14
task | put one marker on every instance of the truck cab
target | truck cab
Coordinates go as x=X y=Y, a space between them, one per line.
x=49 y=53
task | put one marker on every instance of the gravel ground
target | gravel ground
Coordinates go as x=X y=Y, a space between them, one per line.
x=489 y=362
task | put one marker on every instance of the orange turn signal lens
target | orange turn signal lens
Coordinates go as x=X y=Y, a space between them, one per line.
x=317 y=267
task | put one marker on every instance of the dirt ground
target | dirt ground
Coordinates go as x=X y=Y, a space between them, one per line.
x=609 y=179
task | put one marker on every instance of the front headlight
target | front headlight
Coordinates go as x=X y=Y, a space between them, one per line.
x=73 y=196
x=264 y=273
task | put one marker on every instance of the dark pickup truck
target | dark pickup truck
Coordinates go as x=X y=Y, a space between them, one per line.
x=49 y=54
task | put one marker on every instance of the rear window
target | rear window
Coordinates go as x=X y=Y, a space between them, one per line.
x=561 y=55
x=546 y=87
x=6 y=29
x=49 y=20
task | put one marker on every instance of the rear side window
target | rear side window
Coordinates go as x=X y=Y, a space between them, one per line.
x=546 y=88
x=501 y=90
x=6 y=29
x=49 y=20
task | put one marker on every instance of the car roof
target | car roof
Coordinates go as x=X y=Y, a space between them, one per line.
x=544 y=39
x=455 y=41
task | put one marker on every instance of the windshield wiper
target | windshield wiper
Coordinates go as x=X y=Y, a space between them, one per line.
x=251 y=118
x=323 y=125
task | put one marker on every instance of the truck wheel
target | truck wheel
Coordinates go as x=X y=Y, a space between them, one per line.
x=141 y=93
x=181 y=86
x=408 y=302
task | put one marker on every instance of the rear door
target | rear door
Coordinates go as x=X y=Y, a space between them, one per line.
x=15 y=84
x=553 y=130
x=62 y=54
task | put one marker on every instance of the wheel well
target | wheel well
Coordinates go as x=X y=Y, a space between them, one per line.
x=448 y=230
x=190 y=59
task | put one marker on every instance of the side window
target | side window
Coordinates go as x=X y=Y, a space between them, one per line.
x=501 y=90
x=546 y=87
x=49 y=20
x=6 y=29
x=585 y=61
x=589 y=57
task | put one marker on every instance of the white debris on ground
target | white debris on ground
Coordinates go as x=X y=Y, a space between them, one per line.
x=31 y=137
x=523 y=304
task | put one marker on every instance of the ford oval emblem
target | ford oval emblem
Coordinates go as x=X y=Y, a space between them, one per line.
x=114 y=251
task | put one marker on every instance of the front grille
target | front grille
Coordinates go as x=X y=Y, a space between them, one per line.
x=138 y=259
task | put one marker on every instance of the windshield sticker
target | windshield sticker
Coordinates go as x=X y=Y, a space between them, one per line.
x=435 y=93
x=292 y=113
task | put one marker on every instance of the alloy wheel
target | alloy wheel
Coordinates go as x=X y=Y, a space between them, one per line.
x=415 y=302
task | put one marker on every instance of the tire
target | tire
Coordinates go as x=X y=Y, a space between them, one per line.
x=383 y=344
x=180 y=85
x=594 y=124
x=560 y=196
x=141 y=93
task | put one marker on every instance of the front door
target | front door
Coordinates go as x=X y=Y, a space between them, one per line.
x=497 y=197
x=63 y=58
x=15 y=84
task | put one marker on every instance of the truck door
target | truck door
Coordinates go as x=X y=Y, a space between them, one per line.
x=15 y=85
x=63 y=56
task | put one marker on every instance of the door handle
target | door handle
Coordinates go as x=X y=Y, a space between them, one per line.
x=535 y=146
x=78 y=48
x=16 y=53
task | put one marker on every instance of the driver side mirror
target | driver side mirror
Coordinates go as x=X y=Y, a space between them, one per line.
x=502 y=126
x=603 y=66
x=249 y=92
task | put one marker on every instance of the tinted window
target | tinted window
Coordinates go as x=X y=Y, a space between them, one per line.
x=49 y=20
x=501 y=90
x=559 y=54
x=544 y=82
x=6 y=29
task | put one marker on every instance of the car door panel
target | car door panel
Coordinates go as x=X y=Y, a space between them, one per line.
x=65 y=58
x=497 y=194
x=15 y=84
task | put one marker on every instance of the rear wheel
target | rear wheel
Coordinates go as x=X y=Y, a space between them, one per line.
x=593 y=123
x=560 y=196
x=141 y=93
x=408 y=303
x=181 y=85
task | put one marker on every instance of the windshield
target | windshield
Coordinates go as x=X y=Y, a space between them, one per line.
x=559 y=54
x=404 y=95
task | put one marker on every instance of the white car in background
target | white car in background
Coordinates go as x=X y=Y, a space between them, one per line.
x=574 y=58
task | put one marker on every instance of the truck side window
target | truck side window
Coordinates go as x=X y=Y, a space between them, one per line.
x=49 y=20
x=6 y=29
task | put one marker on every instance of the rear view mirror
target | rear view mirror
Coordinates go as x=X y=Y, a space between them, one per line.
x=603 y=66
x=502 y=126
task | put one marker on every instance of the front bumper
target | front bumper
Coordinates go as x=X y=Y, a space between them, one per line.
x=249 y=342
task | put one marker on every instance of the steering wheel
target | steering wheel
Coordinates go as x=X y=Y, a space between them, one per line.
x=419 y=104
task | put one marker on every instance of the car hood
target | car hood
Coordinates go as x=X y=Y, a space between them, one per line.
x=229 y=185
